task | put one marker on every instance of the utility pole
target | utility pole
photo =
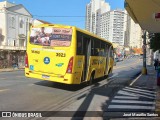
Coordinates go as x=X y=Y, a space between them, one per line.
x=144 y=69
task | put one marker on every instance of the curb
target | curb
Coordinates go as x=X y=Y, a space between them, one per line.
x=11 y=70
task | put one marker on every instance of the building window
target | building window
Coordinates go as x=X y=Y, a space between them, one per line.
x=14 y=42
x=13 y=22
x=21 y=23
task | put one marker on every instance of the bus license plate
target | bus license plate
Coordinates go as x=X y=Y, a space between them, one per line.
x=45 y=76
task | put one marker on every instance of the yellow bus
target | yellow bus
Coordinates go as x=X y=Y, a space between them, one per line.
x=67 y=54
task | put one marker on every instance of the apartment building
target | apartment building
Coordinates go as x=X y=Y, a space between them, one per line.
x=14 y=25
x=113 y=26
x=93 y=15
x=105 y=23
x=133 y=34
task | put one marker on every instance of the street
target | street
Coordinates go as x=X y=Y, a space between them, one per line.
x=18 y=93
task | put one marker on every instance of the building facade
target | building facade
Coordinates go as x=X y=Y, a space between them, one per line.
x=105 y=23
x=93 y=15
x=133 y=34
x=14 y=26
x=113 y=26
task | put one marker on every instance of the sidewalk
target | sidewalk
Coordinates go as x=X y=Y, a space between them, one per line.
x=148 y=81
x=10 y=69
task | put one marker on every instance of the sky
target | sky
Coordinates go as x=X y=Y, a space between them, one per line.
x=62 y=11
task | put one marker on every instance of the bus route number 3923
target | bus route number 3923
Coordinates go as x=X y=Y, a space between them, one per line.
x=60 y=54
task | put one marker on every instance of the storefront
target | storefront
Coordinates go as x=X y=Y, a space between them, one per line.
x=10 y=57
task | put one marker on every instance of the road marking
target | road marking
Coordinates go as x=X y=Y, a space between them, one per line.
x=135 y=91
x=140 y=90
x=133 y=94
x=135 y=80
x=132 y=101
x=131 y=107
x=126 y=97
x=149 y=88
x=4 y=90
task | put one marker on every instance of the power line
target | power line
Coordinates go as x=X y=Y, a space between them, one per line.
x=59 y=16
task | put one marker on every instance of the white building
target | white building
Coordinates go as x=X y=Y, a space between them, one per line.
x=39 y=22
x=113 y=26
x=105 y=23
x=93 y=15
x=14 y=25
x=133 y=34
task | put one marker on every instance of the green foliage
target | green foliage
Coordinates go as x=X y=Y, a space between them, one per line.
x=155 y=41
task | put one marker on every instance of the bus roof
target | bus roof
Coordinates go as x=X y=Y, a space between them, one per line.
x=91 y=34
x=81 y=30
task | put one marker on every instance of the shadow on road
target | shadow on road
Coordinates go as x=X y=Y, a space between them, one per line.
x=65 y=86
x=107 y=90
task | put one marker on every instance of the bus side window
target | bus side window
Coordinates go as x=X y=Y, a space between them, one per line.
x=79 y=44
x=111 y=53
x=92 y=51
x=96 y=52
x=106 y=50
x=101 y=53
x=97 y=47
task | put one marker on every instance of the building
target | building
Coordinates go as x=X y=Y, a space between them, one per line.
x=105 y=23
x=39 y=22
x=93 y=15
x=133 y=34
x=113 y=26
x=14 y=26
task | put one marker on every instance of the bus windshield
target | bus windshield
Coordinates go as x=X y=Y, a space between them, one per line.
x=48 y=36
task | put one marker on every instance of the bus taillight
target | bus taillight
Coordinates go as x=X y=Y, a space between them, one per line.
x=70 y=66
x=26 y=60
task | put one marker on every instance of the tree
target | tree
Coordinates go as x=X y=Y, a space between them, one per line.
x=154 y=41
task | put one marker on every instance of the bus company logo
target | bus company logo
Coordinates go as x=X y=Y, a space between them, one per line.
x=59 y=64
x=46 y=60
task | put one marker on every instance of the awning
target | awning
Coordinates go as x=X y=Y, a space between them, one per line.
x=143 y=12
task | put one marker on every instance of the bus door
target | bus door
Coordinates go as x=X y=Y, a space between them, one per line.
x=87 y=54
x=107 y=49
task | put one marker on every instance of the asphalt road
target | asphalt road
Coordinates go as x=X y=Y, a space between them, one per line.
x=18 y=93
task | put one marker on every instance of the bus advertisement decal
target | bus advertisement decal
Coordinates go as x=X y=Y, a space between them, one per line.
x=59 y=64
x=31 y=67
x=46 y=60
x=48 y=50
x=36 y=52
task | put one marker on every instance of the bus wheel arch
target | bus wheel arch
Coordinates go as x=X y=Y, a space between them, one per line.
x=110 y=71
